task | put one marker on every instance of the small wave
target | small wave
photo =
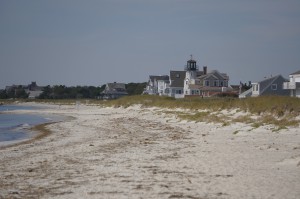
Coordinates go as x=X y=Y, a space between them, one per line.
x=22 y=126
x=25 y=125
x=18 y=127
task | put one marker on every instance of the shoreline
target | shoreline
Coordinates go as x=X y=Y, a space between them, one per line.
x=138 y=152
x=34 y=131
x=40 y=130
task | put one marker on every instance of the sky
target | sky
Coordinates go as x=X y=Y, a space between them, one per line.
x=92 y=42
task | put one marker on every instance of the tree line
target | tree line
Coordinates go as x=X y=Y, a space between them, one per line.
x=73 y=92
x=18 y=92
x=64 y=92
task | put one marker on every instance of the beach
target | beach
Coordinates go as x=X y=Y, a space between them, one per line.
x=136 y=152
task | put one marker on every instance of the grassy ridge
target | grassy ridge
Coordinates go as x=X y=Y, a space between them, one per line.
x=275 y=110
x=277 y=105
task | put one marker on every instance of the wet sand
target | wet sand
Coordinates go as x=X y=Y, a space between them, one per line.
x=144 y=153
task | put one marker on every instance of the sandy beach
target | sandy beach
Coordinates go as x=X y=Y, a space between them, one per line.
x=139 y=152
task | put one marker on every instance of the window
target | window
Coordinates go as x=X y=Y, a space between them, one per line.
x=274 y=87
x=216 y=83
x=178 y=91
x=221 y=83
x=206 y=83
x=177 y=75
x=255 y=87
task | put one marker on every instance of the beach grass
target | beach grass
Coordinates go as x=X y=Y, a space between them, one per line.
x=275 y=110
x=278 y=105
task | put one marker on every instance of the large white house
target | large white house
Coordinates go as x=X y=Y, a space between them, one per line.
x=190 y=82
x=294 y=84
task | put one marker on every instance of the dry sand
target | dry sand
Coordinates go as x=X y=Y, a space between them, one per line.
x=143 y=153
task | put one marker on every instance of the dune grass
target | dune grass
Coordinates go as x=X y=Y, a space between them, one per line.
x=277 y=105
x=275 y=110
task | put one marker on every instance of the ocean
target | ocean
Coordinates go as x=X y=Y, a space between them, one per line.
x=16 y=127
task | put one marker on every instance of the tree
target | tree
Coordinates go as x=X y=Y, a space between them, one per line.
x=135 y=88
x=20 y=93
x=3 y=94
x=47 y=93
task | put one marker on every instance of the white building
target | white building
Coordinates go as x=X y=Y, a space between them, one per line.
x=294 y=84
x=190 y=82
x=155 y=85
x=190 y=78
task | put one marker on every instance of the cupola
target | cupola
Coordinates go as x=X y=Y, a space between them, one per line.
x=191 y=64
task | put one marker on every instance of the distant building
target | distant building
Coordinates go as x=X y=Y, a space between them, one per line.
x=33 y=90
x=114 y=90
x=175 y=87
x=294 y=84
x=268 y=86
x=155 y=83
x=190 y=82
x=212 y=83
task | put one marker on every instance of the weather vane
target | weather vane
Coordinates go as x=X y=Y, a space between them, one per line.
x=191 y=57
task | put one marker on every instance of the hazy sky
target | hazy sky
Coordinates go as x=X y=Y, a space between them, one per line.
x=91 y=42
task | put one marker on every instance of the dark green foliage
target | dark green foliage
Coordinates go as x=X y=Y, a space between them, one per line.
x=225 y=94
x=17 y=92
x=85 y=92
x=46 y=93
x=3 y=94
x=78 y=92
x=21 y=93
x=73 y=92
x=135 y=88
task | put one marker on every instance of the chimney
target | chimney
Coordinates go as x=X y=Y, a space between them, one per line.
x=204 y=70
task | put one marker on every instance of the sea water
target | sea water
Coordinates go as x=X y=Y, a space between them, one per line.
x=16 y=127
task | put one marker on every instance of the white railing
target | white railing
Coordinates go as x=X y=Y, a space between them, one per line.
x=178 y=96
x=289 y=85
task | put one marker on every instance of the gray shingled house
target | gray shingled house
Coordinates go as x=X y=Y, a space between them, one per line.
x=176 y=83
x=268 y=86
x=114 y=90
x=212 y=83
